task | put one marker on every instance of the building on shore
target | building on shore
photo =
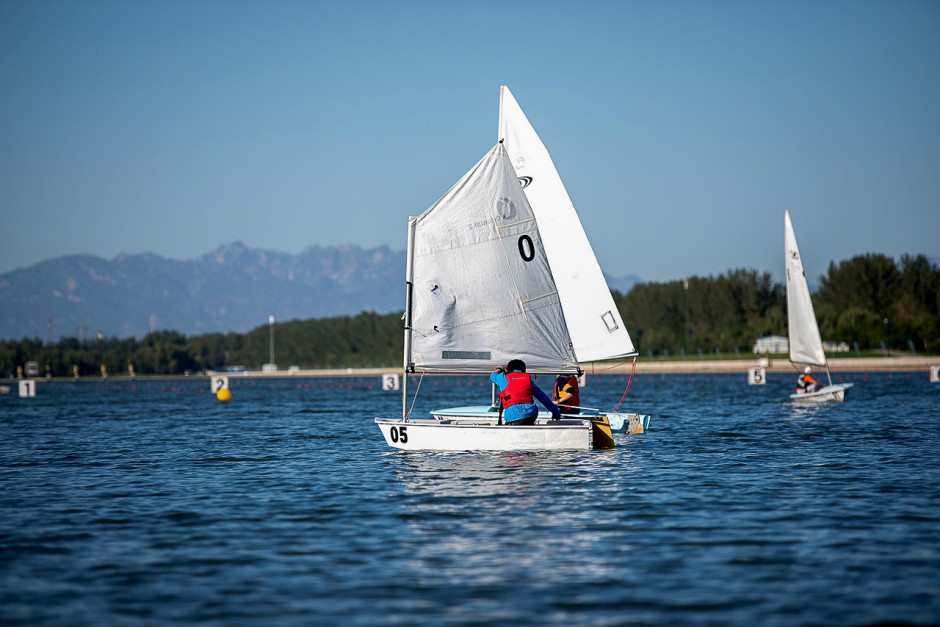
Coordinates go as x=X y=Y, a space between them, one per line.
x=779 y=345
x=771 y=344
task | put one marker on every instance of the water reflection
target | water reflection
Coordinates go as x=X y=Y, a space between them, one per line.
x=498 y=516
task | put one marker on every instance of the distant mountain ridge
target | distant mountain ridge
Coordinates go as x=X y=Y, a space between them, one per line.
x=234 y=288
x=622 y=284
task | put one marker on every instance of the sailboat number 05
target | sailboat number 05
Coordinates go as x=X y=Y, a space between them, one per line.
x=526 y=248
x=399 y=434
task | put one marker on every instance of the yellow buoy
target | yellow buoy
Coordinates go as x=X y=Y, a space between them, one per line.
x=223 y=394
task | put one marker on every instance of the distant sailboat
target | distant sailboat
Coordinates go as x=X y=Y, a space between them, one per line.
x=482 y=289
x=806 y=348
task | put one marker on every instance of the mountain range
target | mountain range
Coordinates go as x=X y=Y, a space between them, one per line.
x=231 y=289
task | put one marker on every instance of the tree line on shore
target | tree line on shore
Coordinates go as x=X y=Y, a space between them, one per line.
x=870 y=302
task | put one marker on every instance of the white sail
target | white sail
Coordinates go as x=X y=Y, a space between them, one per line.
x=805 y=344
x=596 y=328
x=482 y=289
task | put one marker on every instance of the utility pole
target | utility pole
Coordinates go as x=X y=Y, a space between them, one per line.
x=685 y=284
x=270 y=366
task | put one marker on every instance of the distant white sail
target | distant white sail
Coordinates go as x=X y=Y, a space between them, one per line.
x=482 y=290
x=596 y=328
x=805 y=343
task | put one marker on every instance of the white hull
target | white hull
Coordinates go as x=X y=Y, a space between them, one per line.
x=619 y=422
x=427 y=434
x=834 y=392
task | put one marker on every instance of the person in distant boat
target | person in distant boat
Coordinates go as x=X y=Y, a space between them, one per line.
x=566 y=394
x=806 y=382
x=517 y=392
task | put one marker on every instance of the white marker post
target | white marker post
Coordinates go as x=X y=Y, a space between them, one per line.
x=756 y=376
x=219 y=382
x=27 y=388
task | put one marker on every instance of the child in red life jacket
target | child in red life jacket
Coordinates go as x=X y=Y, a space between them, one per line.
x=516 y=391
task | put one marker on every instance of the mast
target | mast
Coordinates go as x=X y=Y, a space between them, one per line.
x=409 y=290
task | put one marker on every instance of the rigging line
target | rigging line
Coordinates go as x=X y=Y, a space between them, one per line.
x=627 y=389
x=415 y=399
x=595 y=369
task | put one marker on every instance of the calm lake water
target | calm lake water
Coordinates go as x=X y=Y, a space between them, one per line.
x=152 y=503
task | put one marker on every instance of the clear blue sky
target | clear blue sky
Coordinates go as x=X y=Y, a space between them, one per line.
x=681 y=129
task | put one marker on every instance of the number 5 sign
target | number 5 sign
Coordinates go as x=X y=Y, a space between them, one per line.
x=756 y=376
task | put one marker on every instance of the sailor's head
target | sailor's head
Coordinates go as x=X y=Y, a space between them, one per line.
x=515 y=364
x=807 y=370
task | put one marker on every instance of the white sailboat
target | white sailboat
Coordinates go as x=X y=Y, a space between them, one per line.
x=500 y=268
x=806 y=347
x=582 y=289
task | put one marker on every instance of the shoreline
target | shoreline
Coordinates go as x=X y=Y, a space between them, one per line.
x=912 y=363
x=904 y=363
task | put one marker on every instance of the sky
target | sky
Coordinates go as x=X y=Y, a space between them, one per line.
x=682 y=129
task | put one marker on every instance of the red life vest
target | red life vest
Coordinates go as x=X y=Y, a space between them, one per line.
x=518 y=389
x=571 y=405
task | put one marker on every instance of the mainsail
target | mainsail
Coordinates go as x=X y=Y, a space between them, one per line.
x=805 y=344
x=596 y=328
x=482 y=292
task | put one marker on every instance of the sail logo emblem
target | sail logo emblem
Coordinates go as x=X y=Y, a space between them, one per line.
x=525 y=181
x=794 y=254
x=505 y=209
